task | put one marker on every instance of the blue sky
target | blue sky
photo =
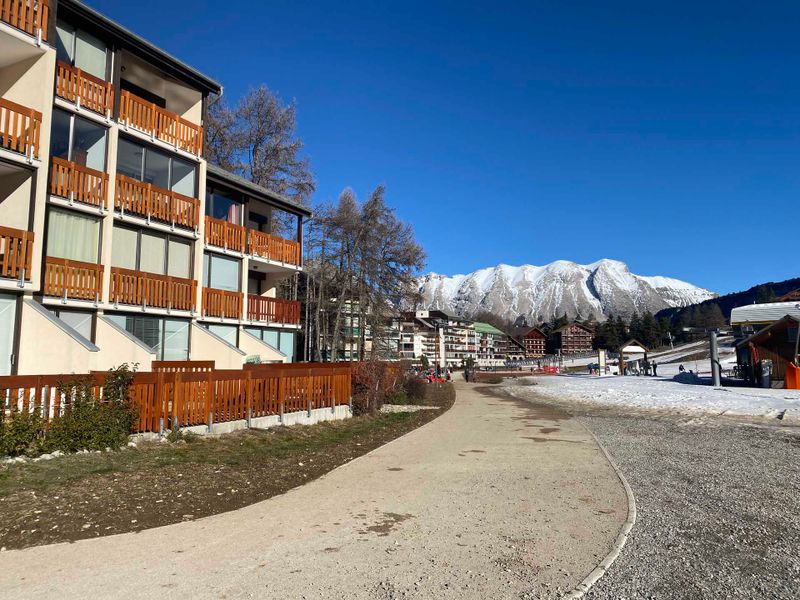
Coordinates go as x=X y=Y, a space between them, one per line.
x=664 y=136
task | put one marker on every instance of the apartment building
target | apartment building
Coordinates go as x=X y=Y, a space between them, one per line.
x=118 y=243
x=573 y=338
x=355 y=336
x=535 y=341
x=445 y=340
x=490 y=345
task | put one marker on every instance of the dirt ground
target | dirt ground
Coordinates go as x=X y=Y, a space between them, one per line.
x=91 y=495
x=494 y=499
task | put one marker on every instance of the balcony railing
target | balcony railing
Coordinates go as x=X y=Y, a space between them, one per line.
x=16 y=252
x=150 y=289
x=222 y=303
x=273 y=310
x=30 y=16
x=153 y=202
x=73 y=279
x=20 y=128
x=160 y=123
x=273 y=247
x=80 y=184
x=84 y=89
x=224 y=235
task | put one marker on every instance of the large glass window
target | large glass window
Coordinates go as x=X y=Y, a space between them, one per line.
x=73 y=236
x=229 y=333
x=8 y=316
x=222 y=206
x=221 y=272
x=143 y=250
x=80 y=321
x=81 y=49
x=76 y=139
x=283 y=341
x=169 y=337
x=151 y=166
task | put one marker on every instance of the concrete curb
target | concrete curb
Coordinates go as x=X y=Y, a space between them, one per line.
x=584 y=586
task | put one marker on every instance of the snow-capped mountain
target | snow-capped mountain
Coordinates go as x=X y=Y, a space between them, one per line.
x=606 y=287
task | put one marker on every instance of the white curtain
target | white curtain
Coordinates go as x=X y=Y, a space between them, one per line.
x=152 y=253
x=180 y=259
x=123 y=248
x=90 y=54
x=72 y=236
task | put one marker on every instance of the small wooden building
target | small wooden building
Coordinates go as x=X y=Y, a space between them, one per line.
x=534 y=341
x=777 y=343
x=574 y=338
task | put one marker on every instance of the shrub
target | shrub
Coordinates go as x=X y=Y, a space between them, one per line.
x=414 y=388
x=372 y=380
x=397 y=396
x=493 y=379
x=91 y=423
x=20 y=433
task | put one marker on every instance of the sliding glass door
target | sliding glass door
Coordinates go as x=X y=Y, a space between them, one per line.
x=8 y=317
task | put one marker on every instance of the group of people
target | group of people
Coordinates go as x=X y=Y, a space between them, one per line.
x=641 y=366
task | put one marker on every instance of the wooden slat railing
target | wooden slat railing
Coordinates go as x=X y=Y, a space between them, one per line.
x=273 y=247
x=222 y=303
x=30 y=16
x=73 y=279
x=16 y=252
x=81 y=184
x=150 y=289
x=273 y=310
x=165 y=398
x=160 y=123
x=225 y=235
x=147 y=200
x=20 y=128
x=84 y=89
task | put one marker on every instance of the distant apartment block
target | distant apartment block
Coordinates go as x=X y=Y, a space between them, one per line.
x=534 y=341
x=118 y=242
x=573 y=338
x=445 y=340
x=491 y=348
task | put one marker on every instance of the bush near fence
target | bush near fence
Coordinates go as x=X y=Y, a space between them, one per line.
x=373 y=382
x=174 y=394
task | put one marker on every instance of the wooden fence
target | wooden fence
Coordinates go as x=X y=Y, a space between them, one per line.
x=150 y=289
x=170 y=396
x=273 y=247
x=16 y=253
x=148 y=200
x=223 y=234
x=84 y=89
x=20 y=127
x=72 y=279
x=273 y=310
x=81 y=184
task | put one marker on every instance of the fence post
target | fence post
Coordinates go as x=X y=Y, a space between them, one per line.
x=158 y=400
x=249 y=383
x=210 y=401
x=309 y=396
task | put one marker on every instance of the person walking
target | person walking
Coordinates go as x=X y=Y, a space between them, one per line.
x=654 y=365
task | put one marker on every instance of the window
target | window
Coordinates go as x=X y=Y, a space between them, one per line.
x=80 y=321
x=169 y=337
x=81 y=49
x=151 y=166
x=229 y=333
x=8 y=318
x=221 y=273
x=283 y=341
x=72 y=236
x=142 y=250
x=78 y=140
x=222 y=206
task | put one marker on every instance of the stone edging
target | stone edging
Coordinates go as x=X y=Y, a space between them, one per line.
x=584 y=586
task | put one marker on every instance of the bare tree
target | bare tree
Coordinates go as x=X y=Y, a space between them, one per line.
x=257 y=139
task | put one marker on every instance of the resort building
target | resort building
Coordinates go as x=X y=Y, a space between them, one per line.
x=534 y=341
x=445 y=340
x=490 y=345
x=573 y=338
x=118 y=243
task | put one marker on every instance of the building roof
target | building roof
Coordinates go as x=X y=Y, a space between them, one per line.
x=255 y=190
x=783 y=324
x=531 y=330
x=568 y=325
x=633 y=346
x=761 y=314
x=486 y=328
x=141 y=47
x=790 y=297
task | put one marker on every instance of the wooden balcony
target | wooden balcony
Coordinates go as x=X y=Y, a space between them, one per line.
x=153 y=202
x=79 y=184
x=159 y=123
x=273 y=310
x=83 y=89
x=226 y=235
x=20 y=128
x=273 y=247
x=16 y=252
x=151 y=290
x=73 y=279
x=222 y=303
x=30 y=16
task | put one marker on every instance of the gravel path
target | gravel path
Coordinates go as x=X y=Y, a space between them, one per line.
x=718 y=508
x=494 y=499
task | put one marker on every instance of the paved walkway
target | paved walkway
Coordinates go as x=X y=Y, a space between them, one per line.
x=495 y=499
